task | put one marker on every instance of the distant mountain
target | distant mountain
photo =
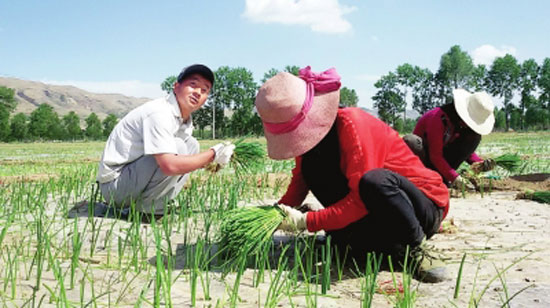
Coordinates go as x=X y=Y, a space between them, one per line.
x=64 y=99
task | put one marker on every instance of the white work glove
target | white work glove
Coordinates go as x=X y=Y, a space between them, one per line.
x=310 y=207
x=223 y=152
x=460 y=182
x=294 y=220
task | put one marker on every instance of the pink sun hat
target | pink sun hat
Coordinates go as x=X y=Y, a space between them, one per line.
x=297 y=112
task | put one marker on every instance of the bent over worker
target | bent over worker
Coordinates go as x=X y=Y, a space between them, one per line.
x=377 y=195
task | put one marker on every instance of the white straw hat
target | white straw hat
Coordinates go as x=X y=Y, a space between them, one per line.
x=476 y=110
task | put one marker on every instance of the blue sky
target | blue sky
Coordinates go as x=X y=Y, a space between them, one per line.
x=130 y=47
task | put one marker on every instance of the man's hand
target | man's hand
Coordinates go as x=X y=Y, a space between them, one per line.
x=460 y=182
x=294 y=220
x=223 y=152
x=483 y=166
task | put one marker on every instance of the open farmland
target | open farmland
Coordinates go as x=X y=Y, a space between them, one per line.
x=55 y=253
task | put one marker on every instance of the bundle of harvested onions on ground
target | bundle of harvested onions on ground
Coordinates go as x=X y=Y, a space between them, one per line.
x=245 y=231
x=245 y=155
x=510 y=162
x=541 y=196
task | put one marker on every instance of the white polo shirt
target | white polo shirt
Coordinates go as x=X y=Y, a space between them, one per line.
x=149 y=129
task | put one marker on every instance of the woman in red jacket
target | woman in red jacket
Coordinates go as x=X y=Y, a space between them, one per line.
x=446 y=136
x=377 y=195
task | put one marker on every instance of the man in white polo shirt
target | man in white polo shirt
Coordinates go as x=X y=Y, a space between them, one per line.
x=151 y=151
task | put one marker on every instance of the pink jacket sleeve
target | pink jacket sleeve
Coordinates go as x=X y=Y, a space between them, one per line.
x=434 y=133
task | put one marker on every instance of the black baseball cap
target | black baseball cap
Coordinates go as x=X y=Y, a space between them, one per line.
x=200 y=69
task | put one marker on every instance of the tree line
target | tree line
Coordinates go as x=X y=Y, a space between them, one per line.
x=524 y=89
x=45 y=124
x=228 y=112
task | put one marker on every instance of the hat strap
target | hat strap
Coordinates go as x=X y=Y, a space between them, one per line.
x=326 y=81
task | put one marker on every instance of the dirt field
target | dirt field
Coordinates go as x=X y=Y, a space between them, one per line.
x=494 y=232
x=497 y=232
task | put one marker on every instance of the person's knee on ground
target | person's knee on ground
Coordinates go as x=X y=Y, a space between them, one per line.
x=416 y=145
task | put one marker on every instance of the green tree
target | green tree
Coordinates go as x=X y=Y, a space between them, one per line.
x=537 y=117
x=515 y=118
x=44 y=123
x=19 y=128
x=108 y=124
x=425 y=92
x=348 y=97
x=7 y=99
x=527 y=83
x=168 y=84
x=4 y=123
x=293 y=69
x=272 y=72
x=502 y=81
x=455 y=70
x=219 y=100
x=71 y=124
x=478 y=78
x=500 y=119
x=544 y=83
x=407 y=77
x=388 y=99
x=93 y=127
x=203 y=117
x=235 y=88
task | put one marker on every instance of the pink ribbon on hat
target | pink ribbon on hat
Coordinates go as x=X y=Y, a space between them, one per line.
x=326 y=81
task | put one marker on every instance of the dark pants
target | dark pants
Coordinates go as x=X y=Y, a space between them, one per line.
x=454 y=152
x=399 y=215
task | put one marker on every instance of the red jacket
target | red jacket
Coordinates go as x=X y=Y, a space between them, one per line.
x=366 y=143
x=430 y=128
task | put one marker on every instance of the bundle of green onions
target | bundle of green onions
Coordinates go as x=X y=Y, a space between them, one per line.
x=510 y=162
x=246 y=231
x=246 y=154
x=541 y=196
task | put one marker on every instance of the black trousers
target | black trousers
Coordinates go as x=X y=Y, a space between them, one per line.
x=460 y=149
x=454 y=152
x=399 y=215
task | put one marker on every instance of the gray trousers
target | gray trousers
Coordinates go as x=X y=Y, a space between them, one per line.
x=143 y=183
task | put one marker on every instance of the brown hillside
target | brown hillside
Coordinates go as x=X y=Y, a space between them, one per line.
x=30 y=94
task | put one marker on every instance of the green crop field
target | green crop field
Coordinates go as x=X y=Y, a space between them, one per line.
x=51 y=254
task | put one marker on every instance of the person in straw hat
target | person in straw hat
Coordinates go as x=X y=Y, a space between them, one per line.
x=446 y=136
x=377 y=195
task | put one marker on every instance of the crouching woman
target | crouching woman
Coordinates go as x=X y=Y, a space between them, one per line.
x=377 y=195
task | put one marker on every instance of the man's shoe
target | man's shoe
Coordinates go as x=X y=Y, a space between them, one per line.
x=430 y=267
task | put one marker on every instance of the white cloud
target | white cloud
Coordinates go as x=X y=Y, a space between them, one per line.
x=133 y=88
x=485 y=54
x=324 y=16
x=374 y=38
